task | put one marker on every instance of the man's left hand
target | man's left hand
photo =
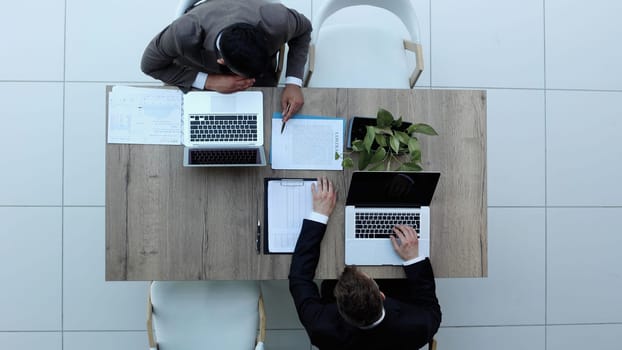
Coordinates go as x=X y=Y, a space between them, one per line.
x=292 y=97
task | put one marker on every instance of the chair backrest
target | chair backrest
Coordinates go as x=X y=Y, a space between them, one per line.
x=183 y=6
x=373 y=45
x=403 y=9
x=204 y=314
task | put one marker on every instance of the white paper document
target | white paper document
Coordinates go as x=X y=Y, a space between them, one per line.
x=308 y=143
x=141 y=115
x=289 y=201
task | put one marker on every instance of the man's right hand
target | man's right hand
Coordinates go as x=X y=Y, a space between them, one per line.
x=227 y=83
x=324 y=196
x=408 y=246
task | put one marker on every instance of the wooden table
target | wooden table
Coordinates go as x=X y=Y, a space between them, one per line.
x=167 y=222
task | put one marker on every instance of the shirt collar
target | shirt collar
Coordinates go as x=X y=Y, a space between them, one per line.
x=218 y=41
x=375 y=323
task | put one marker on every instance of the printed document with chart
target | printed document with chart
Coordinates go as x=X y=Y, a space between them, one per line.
x=307 y=143
x=142 y=115
x=288 y=202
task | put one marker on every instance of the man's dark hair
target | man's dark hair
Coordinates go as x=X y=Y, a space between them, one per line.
x=243 y=48
x=358 y=298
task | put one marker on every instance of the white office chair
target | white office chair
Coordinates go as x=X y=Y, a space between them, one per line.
x=184 y=5
x=205 y=315
x=358 y=55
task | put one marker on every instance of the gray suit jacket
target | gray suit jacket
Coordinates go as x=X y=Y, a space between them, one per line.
x=187 y=46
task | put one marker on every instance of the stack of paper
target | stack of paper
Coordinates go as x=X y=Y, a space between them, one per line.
x=144 y=115
x=308 y=143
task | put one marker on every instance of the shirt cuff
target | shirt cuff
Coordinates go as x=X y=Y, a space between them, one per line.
x=414 y=260
x=199 y=81
x=317 y=217
x=293 y=81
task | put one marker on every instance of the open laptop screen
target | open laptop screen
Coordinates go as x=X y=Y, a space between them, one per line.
x=392 y=189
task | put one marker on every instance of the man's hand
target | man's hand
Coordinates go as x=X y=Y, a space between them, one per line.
x=227 y=83
x=408 y=247
x=292 y=97
x=324 y=196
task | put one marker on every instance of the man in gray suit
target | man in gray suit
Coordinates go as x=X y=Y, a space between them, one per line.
x=231 y=45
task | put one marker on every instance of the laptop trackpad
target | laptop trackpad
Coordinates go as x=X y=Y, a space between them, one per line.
x=236 y=103
x=371 y=252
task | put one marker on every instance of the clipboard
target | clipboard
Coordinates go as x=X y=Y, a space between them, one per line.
x=287 y=201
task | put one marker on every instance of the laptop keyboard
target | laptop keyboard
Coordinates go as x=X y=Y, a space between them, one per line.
x=224 y=128
x=380 y=225
x=220 y=156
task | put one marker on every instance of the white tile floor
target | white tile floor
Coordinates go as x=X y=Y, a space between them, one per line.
x=554 y=84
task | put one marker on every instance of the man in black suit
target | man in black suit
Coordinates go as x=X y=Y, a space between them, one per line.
x=359 y=315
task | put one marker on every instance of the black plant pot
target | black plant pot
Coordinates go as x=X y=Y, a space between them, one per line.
x=357 y=129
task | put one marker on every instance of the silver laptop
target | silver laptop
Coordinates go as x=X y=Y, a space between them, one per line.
x=223 y=130
x=377 y=201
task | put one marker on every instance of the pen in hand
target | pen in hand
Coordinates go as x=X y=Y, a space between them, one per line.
x=284 y=122
x=258 y=237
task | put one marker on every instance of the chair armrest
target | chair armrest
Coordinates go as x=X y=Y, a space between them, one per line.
x=311 y=65
x=261 y=337
x=417 y=49
x=153 y=344
x=432 y=344
x=279 y=65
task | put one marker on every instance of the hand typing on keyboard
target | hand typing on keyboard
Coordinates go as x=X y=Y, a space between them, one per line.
x=405 y=242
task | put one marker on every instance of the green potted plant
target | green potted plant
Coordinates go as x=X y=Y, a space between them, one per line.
x=391 y=144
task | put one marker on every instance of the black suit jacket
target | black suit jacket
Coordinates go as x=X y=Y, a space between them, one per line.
x=409 y=323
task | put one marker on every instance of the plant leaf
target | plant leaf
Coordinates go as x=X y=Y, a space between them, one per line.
x=337 y=156
x=369 y=138
x=381 y=140
x=403 y=137
x=414 y=146
x=395 y=144
x=383 y=131
x=364 y=158
x=347 y=162
x=357 y=145
x=379 y=155
x=377 y=167
x=384 y=118
x=421 y=128
x=410 y=166
x=397 y=123
x=415 y=156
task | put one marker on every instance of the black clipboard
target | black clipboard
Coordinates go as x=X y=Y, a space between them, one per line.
x=284 y=181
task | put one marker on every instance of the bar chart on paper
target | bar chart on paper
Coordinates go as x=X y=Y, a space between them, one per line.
x=288 y=202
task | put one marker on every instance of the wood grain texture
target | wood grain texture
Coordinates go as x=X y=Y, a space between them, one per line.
x=167 y=222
